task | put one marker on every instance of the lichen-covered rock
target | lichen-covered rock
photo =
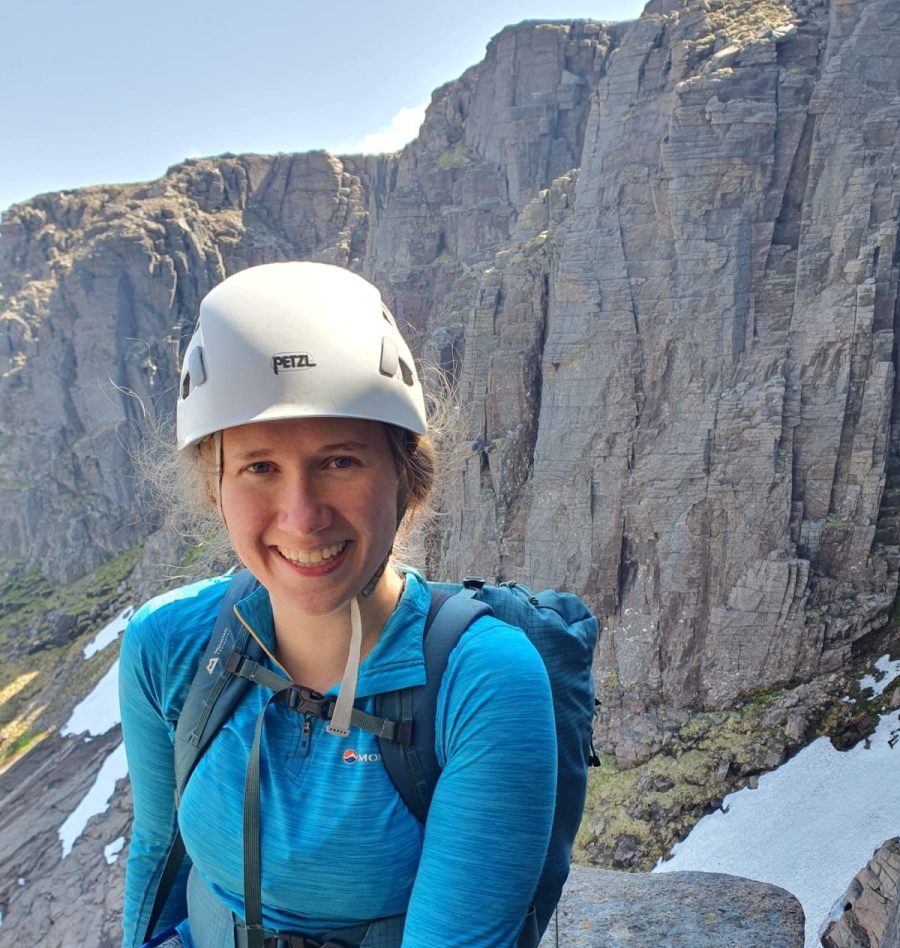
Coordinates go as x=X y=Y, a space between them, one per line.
x=678 y=910
x=868 y=916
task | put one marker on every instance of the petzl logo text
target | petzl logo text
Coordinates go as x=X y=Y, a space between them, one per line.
x=290 y=361
x=351 y=757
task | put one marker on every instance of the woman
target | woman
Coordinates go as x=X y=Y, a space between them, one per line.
x=302 y=413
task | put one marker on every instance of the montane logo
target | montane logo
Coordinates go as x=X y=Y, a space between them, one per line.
x=224 y=638
x=290 y=361
x=351 y=757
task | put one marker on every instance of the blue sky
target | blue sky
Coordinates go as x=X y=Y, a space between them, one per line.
x=103 y=91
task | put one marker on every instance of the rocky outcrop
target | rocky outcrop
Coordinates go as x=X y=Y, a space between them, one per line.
x=868 y=916
x=678 y=910
x=44 y=899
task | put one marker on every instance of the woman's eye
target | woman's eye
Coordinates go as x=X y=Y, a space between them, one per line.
x=259 y=467
x=341 y=463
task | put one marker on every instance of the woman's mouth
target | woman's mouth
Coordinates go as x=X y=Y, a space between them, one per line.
x=313 y=557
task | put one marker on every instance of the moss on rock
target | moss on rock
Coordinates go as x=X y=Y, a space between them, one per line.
x=43 y=630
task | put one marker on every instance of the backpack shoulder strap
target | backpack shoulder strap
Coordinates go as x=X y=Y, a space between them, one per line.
x=213 y=693
x=413 y=766
x=210 y=699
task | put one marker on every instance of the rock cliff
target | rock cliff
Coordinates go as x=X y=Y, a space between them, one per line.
x=659 y=258
x=659 y=261
x=868 y=916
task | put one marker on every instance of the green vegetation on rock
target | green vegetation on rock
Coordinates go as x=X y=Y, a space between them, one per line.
x=43 y=628
x=455 y=158
x=634 y=816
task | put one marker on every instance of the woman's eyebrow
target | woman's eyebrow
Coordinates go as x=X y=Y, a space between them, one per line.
x=346 y=446
x=252 y=454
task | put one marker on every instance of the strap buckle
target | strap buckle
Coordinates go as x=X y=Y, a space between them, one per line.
x=234 y=662
x=306 y=701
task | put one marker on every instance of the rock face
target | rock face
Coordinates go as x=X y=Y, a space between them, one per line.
x=73 y=902
x=658 y=260
x=869 y=913
x=678 y=910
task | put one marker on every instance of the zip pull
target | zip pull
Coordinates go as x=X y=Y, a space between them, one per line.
x=306 y=734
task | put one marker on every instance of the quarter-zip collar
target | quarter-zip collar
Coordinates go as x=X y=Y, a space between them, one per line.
x=396 y=661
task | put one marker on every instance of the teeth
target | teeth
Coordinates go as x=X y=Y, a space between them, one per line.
x=312 y=557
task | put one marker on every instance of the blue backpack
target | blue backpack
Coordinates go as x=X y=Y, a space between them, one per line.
x=559 y=625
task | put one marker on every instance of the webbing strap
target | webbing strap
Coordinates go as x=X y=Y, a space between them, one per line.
x=305 y=700
x=256 y=935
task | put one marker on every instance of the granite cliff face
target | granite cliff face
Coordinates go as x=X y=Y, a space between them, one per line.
x=660 y=261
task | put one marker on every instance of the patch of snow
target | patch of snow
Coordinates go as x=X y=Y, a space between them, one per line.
x=21 y=882
x=96 y=800
x=99 y=712
x=111 y=852
x=109 y=633
x=811 y=825
x=889 y=671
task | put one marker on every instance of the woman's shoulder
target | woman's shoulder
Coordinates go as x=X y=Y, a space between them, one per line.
x=494 y=654
x=186 y=607
x=171 y=630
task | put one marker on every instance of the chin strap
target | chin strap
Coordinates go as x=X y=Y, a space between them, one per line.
x=343 y=709
x=217 y=448
x=369 y=588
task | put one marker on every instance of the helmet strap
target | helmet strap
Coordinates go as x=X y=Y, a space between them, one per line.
x=369 y=588
x=217 y=450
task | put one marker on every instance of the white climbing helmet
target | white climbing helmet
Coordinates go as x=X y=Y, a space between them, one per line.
x=295 y=340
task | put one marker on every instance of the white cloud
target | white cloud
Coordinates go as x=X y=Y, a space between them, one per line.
x=401 y=130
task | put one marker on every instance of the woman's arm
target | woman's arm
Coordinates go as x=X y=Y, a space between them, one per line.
x=490 y=818
x=148 y=746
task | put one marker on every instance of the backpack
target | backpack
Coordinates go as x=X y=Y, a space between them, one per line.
x=559 y=625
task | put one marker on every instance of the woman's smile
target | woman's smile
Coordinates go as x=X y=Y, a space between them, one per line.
x=313 y=557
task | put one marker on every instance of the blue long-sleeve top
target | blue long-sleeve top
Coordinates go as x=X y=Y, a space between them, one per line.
x=338 y=844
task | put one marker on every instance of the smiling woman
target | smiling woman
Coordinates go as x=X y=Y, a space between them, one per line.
x=302 y=417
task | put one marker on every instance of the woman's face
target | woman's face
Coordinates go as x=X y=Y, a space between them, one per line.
x=310 y=505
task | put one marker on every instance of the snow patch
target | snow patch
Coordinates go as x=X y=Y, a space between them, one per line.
x=99 y=711
x=889 y=671
x=96 y=800
x=811 y=825
x=109 y=633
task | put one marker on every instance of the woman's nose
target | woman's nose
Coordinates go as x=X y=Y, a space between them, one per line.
x=305 y=508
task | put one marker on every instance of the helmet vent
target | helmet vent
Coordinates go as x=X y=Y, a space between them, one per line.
x=390 y=357
x=195 y=374
x=388 y=318
x=406 y=373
